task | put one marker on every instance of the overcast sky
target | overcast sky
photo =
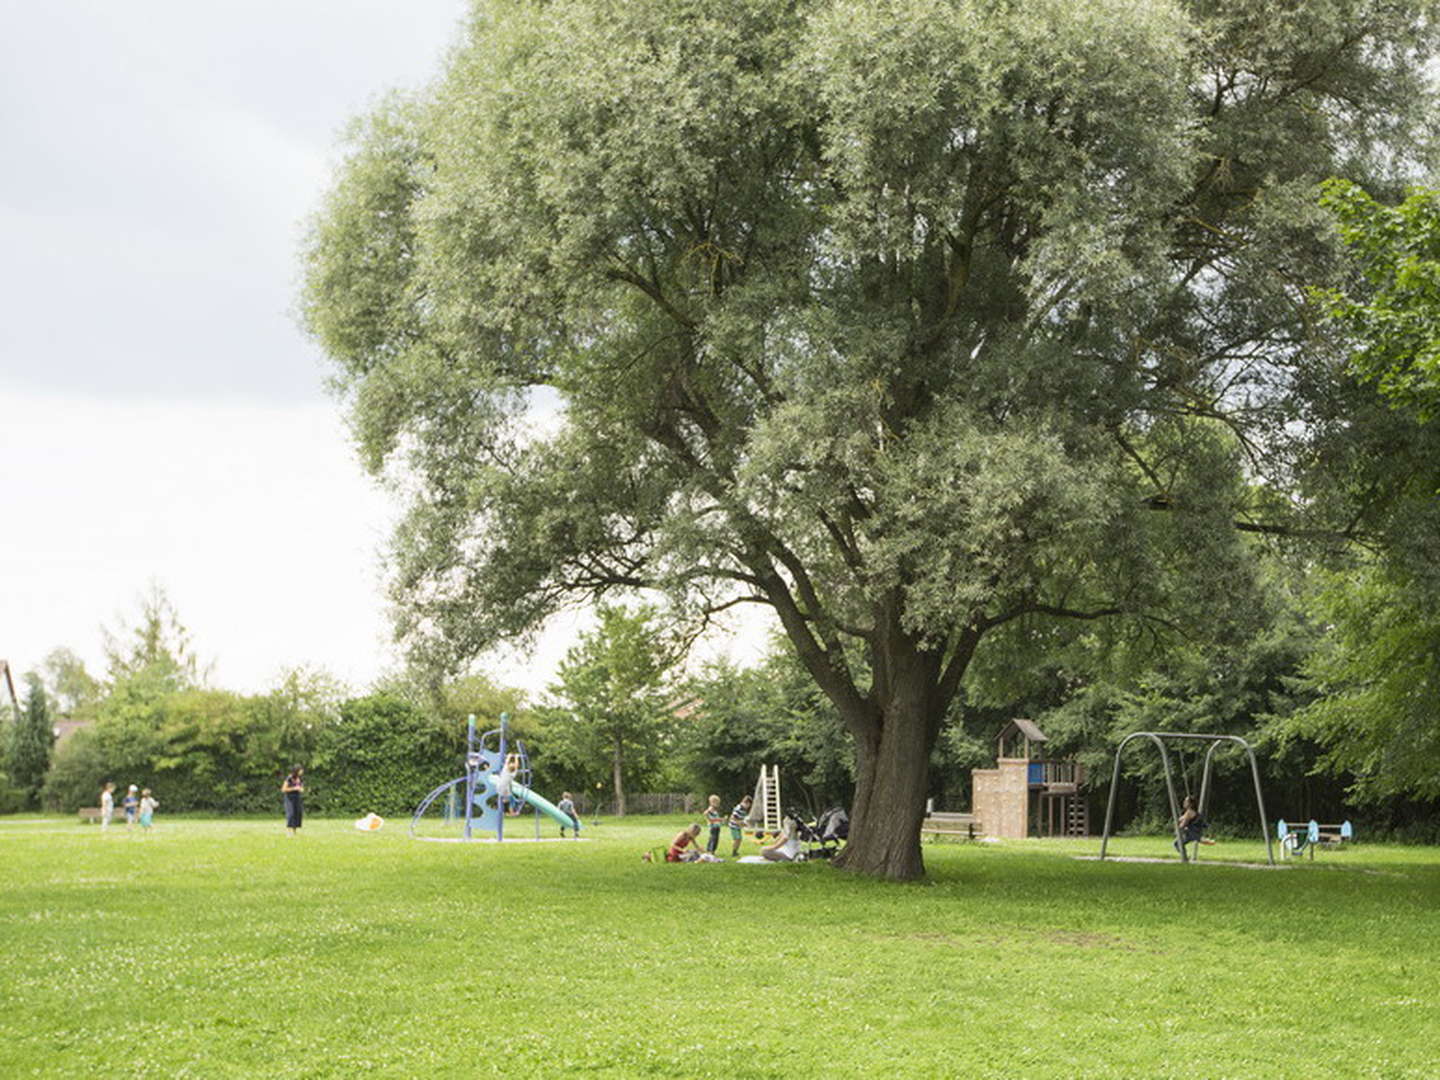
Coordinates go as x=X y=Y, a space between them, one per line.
x=161 y=417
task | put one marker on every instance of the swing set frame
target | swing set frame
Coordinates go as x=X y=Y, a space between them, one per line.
x=1159 y=738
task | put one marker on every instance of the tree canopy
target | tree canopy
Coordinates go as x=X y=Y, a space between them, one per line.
x=914 y=321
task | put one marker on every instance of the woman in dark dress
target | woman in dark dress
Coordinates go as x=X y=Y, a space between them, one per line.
x=294 y=789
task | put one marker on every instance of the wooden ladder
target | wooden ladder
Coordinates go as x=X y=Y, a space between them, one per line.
x=772 y=798
x=1077 y=816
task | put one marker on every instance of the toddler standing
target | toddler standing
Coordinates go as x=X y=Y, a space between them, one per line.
x=714 y=818
x=737 y=823
x=566 y=806
x=147 y=809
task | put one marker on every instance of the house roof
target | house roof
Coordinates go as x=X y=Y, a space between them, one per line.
x=1026 y=728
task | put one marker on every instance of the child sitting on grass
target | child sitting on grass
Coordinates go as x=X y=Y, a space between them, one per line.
x=685 y=838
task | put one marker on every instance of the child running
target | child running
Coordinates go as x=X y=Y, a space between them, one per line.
x=714 y=817
x=737 y=824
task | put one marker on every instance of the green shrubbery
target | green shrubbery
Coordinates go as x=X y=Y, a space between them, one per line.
x=382 y=754
x=214 y=751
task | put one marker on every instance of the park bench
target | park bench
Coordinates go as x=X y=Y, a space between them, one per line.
x=942 y=823
x=92 y=813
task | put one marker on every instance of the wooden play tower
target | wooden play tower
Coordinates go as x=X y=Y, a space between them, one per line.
x=1027 y=794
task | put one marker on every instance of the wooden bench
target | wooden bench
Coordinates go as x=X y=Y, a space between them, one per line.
x=940 y=823
x=92 y=813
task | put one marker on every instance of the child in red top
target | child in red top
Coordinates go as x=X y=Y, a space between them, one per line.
x=683 y=839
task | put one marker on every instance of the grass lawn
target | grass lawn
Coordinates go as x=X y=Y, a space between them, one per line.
x=227 y=949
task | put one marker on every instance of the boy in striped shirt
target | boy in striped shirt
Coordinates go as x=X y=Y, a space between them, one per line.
x=737 y=823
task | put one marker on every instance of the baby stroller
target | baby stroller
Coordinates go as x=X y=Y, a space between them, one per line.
x=822 y=836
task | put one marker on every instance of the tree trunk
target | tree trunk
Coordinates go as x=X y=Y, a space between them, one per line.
x=892 y=778
x=615 y=762
x=893 y=773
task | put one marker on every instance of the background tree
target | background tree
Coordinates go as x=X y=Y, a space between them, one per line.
x=1376 y=709
x=911 y=321
x=769 y=714
x=614 y=713
x=72 y=688
x=155 y=646
x=31 y=739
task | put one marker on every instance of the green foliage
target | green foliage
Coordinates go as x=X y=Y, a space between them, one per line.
x=769 y=714
x=1376 y=673
x=382 y=755
x=72 y=688
x=32 y=736
x=1395 y=320
x=156 y=644
x=911 y=320
x=199 y=749
x=614 y=713
x=1376 y=680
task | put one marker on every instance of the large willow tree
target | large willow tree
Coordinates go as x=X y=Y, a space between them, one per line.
x=921 y=322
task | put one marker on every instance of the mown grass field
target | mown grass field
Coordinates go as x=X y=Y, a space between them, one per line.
x=227 y=949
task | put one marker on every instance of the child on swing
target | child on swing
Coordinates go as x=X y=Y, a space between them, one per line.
x=1192 y=825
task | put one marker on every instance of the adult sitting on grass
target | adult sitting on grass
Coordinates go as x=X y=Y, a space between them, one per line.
x=786 y=847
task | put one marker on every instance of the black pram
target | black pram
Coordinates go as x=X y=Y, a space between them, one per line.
x=823 y=836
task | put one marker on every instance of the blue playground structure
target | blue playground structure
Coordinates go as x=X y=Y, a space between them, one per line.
x=473 y=801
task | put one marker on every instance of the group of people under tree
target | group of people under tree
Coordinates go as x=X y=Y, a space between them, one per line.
x=685 y=847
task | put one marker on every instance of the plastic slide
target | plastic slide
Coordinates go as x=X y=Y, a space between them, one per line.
x=546 y=807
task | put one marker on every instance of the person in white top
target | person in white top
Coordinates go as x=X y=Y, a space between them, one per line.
x=786 y=847
x=505 y=779
x=107 y=805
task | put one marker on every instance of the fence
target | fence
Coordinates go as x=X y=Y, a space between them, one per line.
x=648 y=802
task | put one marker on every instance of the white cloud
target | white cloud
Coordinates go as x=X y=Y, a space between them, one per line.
x=160 y=416
x=254 y=518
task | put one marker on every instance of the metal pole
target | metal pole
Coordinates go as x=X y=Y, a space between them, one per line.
x=1204 y=807
x=1174 y=803
x=470 y=770
x=500 y=802
x=1259 y=802
x=1110 y=803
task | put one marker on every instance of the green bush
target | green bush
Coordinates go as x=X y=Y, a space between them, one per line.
x=383 y=754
